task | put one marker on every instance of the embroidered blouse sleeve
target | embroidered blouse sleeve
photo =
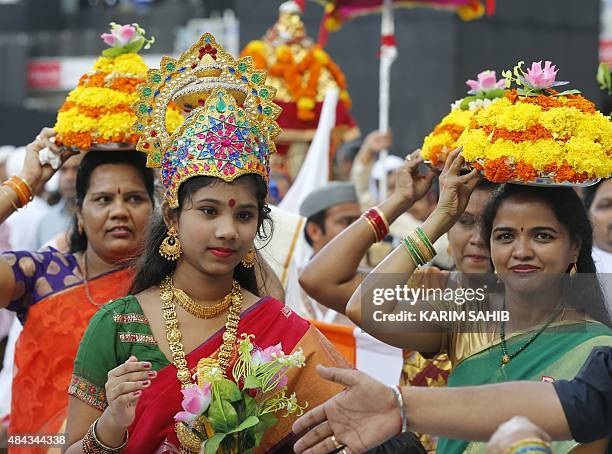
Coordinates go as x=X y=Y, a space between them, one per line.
x=97 y=355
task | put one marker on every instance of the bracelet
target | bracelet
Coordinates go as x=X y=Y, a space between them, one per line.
x=91 y=444
x=8 y=196
x=416 y=258
x=22 y=187
x=400 y=401
x=426 y=241
x=378 y=223
x=420 y=246
x=530 y=445
x=24 y=181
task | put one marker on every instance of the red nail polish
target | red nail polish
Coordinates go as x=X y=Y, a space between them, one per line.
x=146 y=382
x=152 y=374
x=137 y=393
x=146 y=365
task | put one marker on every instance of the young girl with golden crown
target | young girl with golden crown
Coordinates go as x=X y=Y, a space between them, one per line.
x=195 y=293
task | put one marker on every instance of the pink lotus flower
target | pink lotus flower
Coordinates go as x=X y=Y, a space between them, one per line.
x=265 y=356
x=120 y=35
x=538 y=77
x=487 y=81
x=195 y=402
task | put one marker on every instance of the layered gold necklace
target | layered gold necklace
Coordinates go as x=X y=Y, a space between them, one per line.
x=200 y=311
x=168 y=293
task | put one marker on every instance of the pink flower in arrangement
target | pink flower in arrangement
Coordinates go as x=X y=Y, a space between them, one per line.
x=195 y=402
x=538 y=77
x=120 y=35
x=265 y=356
x=487 y=81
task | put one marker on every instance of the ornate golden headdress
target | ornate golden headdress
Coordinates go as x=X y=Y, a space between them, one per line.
x=231 y=123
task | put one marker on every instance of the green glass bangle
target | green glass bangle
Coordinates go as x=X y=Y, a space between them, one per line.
x=425 y=239
x=416 y=258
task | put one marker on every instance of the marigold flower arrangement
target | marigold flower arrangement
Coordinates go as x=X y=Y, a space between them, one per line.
x=300 y=75
x=483 y=92
x=98 y=111
x=538 y=135
x=233 y=416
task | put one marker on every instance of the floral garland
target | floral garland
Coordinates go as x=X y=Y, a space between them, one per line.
x=536 y=132
x=98 y=111
x=301 y=78
x=483 y=92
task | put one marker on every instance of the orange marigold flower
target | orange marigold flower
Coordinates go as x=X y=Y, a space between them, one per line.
x=525 y=172
x=454 y=130
x=533 y=133
x=498 y=171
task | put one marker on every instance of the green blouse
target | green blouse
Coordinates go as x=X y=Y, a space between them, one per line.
x=116 y=332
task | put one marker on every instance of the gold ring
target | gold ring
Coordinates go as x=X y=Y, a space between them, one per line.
x=335 y=442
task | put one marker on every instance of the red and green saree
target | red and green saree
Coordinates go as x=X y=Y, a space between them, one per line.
x=120 y=330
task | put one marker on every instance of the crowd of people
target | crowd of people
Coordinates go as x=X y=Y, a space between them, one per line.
x=138 y=274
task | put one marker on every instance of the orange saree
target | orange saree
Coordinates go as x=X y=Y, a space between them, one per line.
x=45 y=352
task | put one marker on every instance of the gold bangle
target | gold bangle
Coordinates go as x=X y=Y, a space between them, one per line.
x=27 y=185
x=8 y=196
x=525 y=444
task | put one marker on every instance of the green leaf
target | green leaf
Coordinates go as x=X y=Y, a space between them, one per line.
x=113 y=52
x=465 y=104
x=265 y=422
x=228 y=390
x=252 y=382
x=212 y=444
x=494 y=94
x=568 y=92
x=222 y=416
x=135 y=45
x=252 y=409
x=251 y=421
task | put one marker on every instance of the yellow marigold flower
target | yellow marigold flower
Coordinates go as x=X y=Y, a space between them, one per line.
x=283 y=49
x=502 y=114
x=125 y=64
x=306 y=103
x=101 y=97
x=112 y=125
x=456 y=120
x=174 y=119
x=73 y=121
x=256 y=46
x=320 y=55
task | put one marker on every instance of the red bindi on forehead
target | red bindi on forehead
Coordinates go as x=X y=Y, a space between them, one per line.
x=231 y=203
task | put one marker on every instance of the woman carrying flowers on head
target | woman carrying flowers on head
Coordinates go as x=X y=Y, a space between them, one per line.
x=56 y=293
x=539 y=241
x=196 y=321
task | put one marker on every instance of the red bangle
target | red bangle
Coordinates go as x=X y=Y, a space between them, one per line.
x=381 y=227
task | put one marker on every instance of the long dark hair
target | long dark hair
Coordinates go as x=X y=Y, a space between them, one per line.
x=152 y=268
x=90 y=162
x=570 y=212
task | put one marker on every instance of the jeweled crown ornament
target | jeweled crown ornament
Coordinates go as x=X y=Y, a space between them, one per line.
x=231 y=124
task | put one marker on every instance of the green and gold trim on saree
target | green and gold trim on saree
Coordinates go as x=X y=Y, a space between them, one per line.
x=87 y=392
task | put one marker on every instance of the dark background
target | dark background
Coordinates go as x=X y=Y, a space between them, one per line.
x=437 y=52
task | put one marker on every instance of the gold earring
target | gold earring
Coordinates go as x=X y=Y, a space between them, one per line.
x=574 y=269
x=250 y=258
x=80 y=228
x=170 y=248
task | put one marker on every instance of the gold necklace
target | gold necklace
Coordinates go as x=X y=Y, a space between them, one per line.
x=86 y=282
x=189 y=441
x=199 y=310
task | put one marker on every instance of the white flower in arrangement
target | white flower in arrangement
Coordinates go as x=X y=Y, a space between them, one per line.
x=480 y=104
x=456 y=105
